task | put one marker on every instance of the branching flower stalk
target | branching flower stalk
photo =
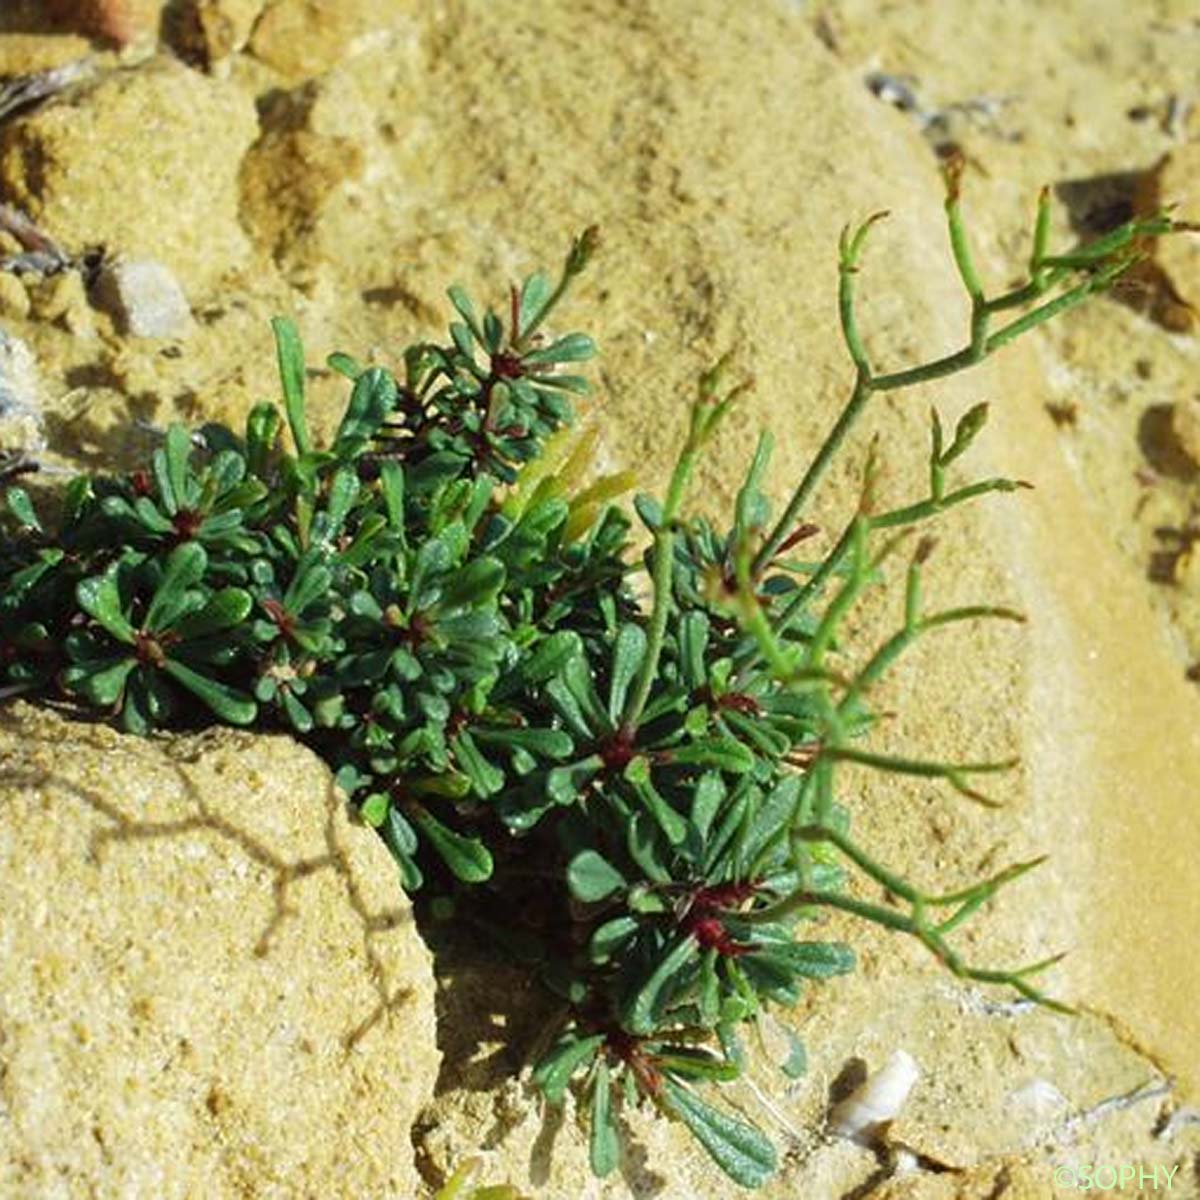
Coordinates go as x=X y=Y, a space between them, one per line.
x=1100 y=264
x=640 y=806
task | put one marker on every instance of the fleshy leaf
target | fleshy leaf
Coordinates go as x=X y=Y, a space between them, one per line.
x=100 y=598
x=184 y=568
x=228 y=703
x=467 y=857
x=554 y=1072
x=290 y=352
x=628 y=653
x=592 y=877
x=741 y=1150
x=604 y=1145
x=641 y=1010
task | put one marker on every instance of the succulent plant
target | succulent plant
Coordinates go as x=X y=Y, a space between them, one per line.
x=640 y=800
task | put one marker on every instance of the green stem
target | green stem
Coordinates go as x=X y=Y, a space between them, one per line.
x=662 y=577
x=1106 y=259
x=955 y=774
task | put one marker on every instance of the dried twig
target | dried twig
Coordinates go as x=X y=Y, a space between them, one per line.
x=24 y=91
x=42 y=254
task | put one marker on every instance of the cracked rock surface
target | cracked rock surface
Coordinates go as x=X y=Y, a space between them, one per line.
x=209 y=982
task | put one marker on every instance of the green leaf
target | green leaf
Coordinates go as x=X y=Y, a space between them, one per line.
x=750 y=510
x=742 y=1151
x=550 y=656
x=796 y=1064
x=228 y=703
x=535 y=291
x=401 y=840
x=611 y=937
x=21 y=507
x=475 y=585
x=554 y=1071
x=575 y=347
x=177 y=453
x=374 y=809
x=706 y=801
x=100 y=682
x=493 y=332
x=343 y=491
x=345 y=365
x=736 y=813
x=565 y=784
x=772 y=818
x=647 y=848
x=649 y=510
x=372 y=399
x=485 y=778
x=262 y=431
x=100 y=598
x=641 y=1010
x=399 y=833
x=545 y=743
x=637 y=774
x=299 y=716
x=577 y=675
x=591 y=877
x=465 y=309
x=391 y=479
x=965 y=432
x=628 y=653
x=184 y=568
x=223 y=610
x=723 y=753
x=693 y=640
x=604 y=1144
x=693 y=1062
x=467 y=857
x=566 y=707
x=709 y=1000
x=312 y=581
x=463 y=339
x=812 y=960
x=290 y=352
x=432 y=558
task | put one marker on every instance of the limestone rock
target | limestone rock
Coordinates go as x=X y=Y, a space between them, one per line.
x=21 y=428
x=212 y=30
x=211 y=983
x=332 y=152
x=63 y=298
x=292 y=172
x=1185 y=430
x=303 y=38
x=116 y=21
x=145 y=299
x=1175 y=182
x=70 y=167
x=14 y=299
x=32 y=39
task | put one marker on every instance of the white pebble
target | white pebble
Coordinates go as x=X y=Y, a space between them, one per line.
x=877 y=1100
x=21 y=429
x=145 y=298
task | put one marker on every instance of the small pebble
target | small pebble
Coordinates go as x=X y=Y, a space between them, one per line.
x=14 y=299
x=876 y=1101
x=145 y=299
x=212 y=30
x=1185 y=429
x=21 y=430
x=62 y=299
